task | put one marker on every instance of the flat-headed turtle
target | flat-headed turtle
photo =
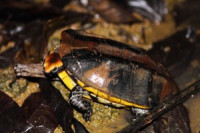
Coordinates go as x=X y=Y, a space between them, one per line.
x=109 y=72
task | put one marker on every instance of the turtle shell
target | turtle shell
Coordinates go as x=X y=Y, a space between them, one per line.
x=114 y=68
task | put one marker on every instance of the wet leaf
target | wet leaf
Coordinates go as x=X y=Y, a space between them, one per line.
x=125 y=11
x=29 y=44
x=24 y=12
x=176 y=120
x=27 y=41
x=34 y=116
x=186 y=13
x=39 y=114
x=60 y=106
x=176 y=51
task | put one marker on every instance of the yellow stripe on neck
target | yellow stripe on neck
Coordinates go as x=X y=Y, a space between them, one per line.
x=67 y=80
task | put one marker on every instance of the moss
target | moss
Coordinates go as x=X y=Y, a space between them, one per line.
x=17 y=88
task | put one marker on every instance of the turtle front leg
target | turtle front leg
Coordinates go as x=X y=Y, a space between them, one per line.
x=79 y=102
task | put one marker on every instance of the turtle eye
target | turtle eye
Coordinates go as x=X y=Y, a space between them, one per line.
x=55 y=70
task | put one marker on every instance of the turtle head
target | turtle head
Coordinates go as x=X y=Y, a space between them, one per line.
x=52 y=64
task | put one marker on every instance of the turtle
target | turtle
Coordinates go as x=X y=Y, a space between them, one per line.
x=109 y=72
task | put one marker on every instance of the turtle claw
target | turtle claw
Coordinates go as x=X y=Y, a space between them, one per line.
x=137 y=113
x=87 y=115
x=88 y=110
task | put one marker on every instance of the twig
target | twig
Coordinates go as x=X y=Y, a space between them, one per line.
x=29 y=70
x=163 y=108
